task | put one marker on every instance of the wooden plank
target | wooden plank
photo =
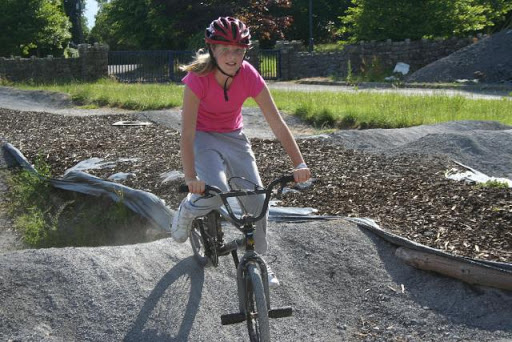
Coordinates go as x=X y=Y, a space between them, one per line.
x=469 y=273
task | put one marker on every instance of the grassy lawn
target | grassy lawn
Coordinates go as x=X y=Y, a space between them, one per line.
x=324 y=109
x=371 y=110
x=108 y=93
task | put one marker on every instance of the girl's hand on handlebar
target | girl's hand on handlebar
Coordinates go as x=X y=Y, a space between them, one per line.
x=195 y=185
x=301 y=174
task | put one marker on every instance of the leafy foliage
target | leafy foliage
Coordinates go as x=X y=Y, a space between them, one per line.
x=268 y=19
x=74 y=10
x=33 y=27
x=176 y=24
x=179 y=25
x=415 y=19
x=325 y=20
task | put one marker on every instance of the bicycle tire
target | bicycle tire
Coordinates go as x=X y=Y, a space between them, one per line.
x=203 y=238
x=198 y=245
x=256 y=309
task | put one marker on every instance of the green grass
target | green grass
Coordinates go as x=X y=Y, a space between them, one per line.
x=49 y=217
x=493 y=184
x=110 y=93
x=373 y=110
x=359 y=109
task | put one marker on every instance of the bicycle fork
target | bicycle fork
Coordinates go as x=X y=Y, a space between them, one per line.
x=251 y=257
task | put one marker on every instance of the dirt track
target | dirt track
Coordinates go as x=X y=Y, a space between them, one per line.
x=344 y=283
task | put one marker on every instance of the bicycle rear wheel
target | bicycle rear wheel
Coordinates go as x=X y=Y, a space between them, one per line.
x=204 y=239
x=256 y=309
x=198 y=245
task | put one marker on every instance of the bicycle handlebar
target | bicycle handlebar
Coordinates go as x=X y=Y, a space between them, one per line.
x=183 y=188
x=267 y=191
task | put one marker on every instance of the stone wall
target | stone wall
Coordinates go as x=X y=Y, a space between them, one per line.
x=296 y=63
x=91 y=64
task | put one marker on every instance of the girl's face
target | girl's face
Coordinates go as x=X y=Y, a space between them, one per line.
x=229 y=57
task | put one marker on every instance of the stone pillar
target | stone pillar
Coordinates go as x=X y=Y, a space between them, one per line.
x=289 y=51
x=285 y=64
x=93 y=61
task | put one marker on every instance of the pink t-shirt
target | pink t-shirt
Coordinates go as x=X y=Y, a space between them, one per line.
x=215 y=114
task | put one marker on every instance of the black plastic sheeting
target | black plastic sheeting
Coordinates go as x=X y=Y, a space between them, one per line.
x=403 y=242
x=155 y=210
x=145 y=203
x=142 y=202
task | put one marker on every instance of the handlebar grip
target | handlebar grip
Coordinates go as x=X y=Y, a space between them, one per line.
x=288 y=179
x=183 y=188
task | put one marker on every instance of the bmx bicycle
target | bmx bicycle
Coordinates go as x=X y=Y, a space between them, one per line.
x=208 y=244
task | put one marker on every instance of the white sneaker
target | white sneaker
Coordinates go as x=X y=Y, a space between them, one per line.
x=272 y=279
x=181 y=224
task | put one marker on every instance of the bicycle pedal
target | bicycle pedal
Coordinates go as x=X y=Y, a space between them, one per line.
x=286 y=311
x=232 y=318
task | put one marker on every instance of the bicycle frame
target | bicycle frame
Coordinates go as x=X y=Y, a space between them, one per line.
x=246 y=224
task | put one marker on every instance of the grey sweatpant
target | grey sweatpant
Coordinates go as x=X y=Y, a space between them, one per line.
x=219 y=156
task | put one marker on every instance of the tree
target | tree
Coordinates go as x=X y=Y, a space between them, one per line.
x=326 y=15
x=74 y=10
x=416 y=19
x=268 y=20
x=122 y=24
x=178 y=24
x=146 y=24
x=33 y=27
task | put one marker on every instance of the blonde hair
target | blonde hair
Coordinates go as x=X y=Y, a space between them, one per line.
x=202 y=64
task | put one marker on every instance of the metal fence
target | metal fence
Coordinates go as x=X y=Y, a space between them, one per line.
x=270 y=64
x=163 y=66
x=147 y=66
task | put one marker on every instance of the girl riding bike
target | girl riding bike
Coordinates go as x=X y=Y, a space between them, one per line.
x=213 y=145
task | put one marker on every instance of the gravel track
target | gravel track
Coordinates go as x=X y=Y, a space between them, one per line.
x=347 y=286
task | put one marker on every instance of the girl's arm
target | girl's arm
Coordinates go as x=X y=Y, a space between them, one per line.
x=188 y=132
x=282 y=132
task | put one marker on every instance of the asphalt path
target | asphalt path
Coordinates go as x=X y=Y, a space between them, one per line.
x=474 y=92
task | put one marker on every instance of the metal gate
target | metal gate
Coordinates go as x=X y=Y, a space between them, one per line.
x=270 y=64
x=163 y=66
x=148 y=66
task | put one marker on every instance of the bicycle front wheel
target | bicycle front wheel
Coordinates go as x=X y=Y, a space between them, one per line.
x=256 y=309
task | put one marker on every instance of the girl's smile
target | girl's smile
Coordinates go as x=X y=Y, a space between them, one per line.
x=229 y=56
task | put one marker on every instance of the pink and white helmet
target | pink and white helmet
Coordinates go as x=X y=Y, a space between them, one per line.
x=228 y=31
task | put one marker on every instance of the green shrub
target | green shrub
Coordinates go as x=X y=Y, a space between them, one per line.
x=373 y=71
x=49 y=217
x=493 y=184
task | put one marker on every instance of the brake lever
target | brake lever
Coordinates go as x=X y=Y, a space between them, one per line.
x=304 y=185
x=296 y=187
x=284 y=181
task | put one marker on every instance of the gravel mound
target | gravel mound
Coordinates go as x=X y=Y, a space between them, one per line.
x=482 y=145
x=344 y=284
x=489 y=60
